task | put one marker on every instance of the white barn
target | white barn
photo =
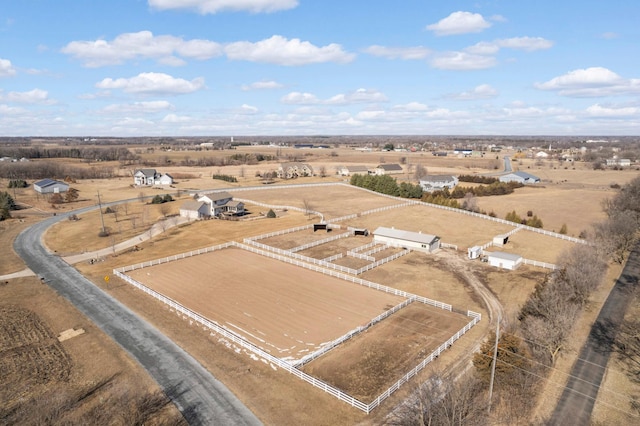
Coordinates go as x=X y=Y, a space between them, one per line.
x=50 y=186
x=504 y=260
x=406 y=239
x=520 y=177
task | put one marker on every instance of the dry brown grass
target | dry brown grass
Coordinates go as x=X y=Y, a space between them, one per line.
x=87 y=360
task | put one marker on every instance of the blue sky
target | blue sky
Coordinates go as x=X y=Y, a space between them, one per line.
x=319 y=67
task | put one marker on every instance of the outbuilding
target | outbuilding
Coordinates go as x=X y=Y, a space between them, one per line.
x=504 y=260
x=406 y=239
x=193 y=210
x=50 y=186
x=520 y=177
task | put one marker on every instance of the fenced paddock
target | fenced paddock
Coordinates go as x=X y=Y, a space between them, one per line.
x=238 y=329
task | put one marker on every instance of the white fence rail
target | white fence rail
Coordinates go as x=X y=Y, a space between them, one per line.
x=540 y=264
x=319 y=242
x=289 y=367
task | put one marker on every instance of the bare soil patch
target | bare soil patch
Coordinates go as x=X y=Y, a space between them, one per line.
x=371 y=362
x=286 y=310
x=334 y=247
x=83 y=379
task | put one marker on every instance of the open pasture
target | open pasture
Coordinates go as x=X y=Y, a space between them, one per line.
x=286 y=310
x=333 y=201
x=371 y=362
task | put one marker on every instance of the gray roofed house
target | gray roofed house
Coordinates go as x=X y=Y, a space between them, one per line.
x=520 y=177
x=351 y=170
x=385 y=169
x=194 y=209
x=432 y=183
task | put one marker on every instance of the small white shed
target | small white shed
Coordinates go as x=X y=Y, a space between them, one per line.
x=504 y=260
x=500 y=240
x=474 y=252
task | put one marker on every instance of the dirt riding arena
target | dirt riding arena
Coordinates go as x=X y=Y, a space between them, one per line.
x=291 y=312
x=285 y=310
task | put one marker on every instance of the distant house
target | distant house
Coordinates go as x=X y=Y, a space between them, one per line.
x=151 y=177
x=50 y=186
x=387 y=169
x=622 y=162
x=542 y=154
x=406 y=239
x=520 y=177
x=432 y=183
x=352 y=170
x=504 y=260
x=222 y=203
x=439 y=153
x=294 y=170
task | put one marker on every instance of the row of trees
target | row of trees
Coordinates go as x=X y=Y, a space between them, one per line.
x=385 y=184
x=90 y=153
x=30 y=170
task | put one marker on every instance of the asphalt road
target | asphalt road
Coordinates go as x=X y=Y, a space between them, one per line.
x=576 y=402
x=198 y=395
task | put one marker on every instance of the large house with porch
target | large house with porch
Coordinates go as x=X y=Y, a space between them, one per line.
x=215 y=204
x=430 y=183
x=294 y=170
x=151 y=177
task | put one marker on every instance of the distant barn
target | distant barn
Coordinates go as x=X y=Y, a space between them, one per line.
x=50 y=186
x=407 y=239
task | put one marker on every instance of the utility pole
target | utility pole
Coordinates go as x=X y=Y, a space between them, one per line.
x=493 y=364
x=103 y=233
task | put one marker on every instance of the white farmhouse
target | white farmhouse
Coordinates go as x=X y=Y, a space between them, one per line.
x=222 y=203
x=151 y=177
x=387 y=169
x=430 y=183
x=406 y=239
x=504 y=260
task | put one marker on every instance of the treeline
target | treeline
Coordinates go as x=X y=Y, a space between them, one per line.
x=92 y=153
x=477 y=179
x=48 y=169
x=226 y=178
x=494 y=188
x=385 y=184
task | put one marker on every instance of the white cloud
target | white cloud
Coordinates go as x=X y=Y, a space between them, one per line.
x=247 y=109
x=612 y=112
x=359 y=96
x=140 y=107
x=483 y=91
x=281 y=51
x=591 y=82
x=483 y=48
x=356 y=97
x=35 y=96
x=173 y=118
x=528 y=44
x=459 y=23
x=299 y=98
x=152 y=83
x=462 y=61
x=214 y=6
x=6 y=69
x=141 y=45
x=417 y=52
x=262 y=85
x=411 y=107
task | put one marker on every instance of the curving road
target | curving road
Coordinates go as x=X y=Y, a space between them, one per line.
x=576 y=402
x=201 y=398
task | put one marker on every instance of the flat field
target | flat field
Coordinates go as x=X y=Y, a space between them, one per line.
x=284 y=309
